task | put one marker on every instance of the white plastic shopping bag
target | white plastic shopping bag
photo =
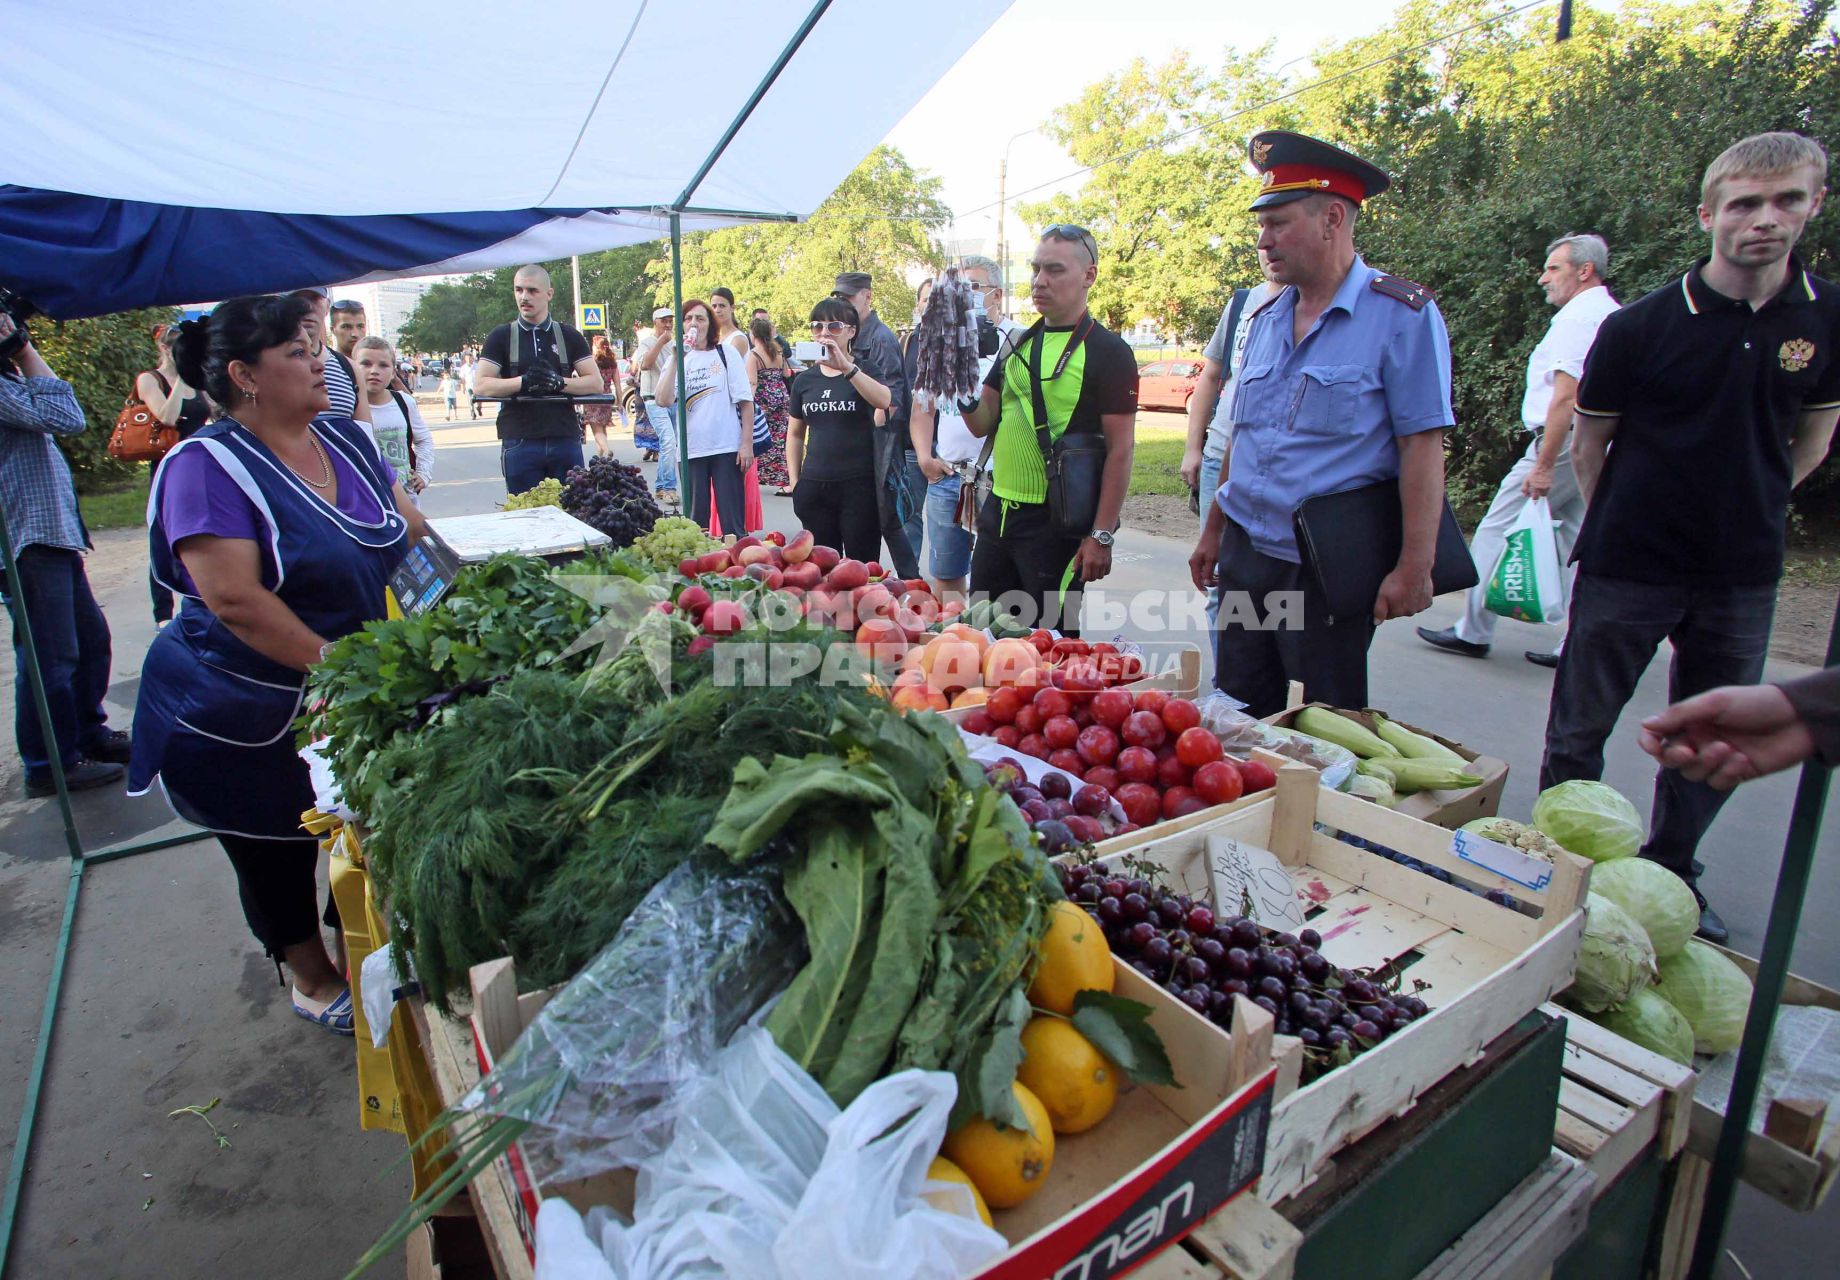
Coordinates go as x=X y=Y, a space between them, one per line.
x=1529 y=583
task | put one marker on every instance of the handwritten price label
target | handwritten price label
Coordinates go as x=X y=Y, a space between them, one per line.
x=1250 y=881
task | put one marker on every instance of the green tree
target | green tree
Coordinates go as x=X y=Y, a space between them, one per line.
x=100 y=358
x=452 y=314
x=880 y=219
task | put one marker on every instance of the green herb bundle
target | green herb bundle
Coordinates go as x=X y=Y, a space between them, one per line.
x=923 y=897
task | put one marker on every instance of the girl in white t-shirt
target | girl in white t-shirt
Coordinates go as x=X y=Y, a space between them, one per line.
x=720 y=424
x=404 y=440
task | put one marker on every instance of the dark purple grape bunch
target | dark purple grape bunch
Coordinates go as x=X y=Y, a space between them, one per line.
x=1204 y=960
x=613 y=498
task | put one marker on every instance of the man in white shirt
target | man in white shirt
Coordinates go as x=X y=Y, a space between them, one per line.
x=946 y=448
x=1573 y=278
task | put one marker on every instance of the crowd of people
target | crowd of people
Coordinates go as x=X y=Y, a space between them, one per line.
x=1665 y=437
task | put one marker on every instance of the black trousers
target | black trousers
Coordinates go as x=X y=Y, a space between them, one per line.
x=1720 y=636
x=890 y=452
x=276 y=881
x=1271 y=630
x=731 y=495
x=841 y=514
x=1020 y=555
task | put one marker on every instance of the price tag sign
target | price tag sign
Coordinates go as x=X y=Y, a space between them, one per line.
x=425 y=575
x=1251 y=881
x=1510 y=864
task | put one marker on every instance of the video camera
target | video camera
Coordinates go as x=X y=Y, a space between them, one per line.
x=20 y=310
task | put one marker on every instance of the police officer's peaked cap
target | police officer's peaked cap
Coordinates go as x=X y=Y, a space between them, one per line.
x=1296 y=166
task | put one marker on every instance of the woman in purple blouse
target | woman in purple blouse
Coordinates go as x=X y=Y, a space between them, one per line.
x=279 y=532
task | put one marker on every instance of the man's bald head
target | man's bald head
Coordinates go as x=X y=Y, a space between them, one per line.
x=532 y=289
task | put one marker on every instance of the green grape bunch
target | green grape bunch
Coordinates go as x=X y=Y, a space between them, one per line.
x=672 y=539
x=546 y=493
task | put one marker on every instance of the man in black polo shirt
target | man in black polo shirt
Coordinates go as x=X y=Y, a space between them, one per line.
x=1087 y=381
x=1720 y=392
x=536 y=356
x=878 y=352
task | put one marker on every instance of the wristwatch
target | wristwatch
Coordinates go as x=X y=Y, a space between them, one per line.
x=1101 y=536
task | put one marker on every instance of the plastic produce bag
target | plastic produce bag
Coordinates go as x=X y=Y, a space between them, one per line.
x=1528 y=582
x=597 y=1074
x=765 y=1180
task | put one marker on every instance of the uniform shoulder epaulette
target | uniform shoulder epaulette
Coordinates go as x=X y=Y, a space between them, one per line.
x=1400 y=289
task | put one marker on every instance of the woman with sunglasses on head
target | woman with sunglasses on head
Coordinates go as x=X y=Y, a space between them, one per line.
x=719 y=421
x=170 y=399
x=279 y=524
x=830 y=439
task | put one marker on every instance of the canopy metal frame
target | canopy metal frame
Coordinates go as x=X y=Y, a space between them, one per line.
x=80 y=859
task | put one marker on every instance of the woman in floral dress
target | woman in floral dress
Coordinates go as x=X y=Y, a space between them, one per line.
x=772 y=381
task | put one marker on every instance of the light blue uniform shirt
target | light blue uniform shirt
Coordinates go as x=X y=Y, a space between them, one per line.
x=1323 y=415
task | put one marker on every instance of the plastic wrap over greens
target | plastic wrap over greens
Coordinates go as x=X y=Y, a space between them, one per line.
x=1615 y=960
x=1712 y=993
x=1658 y=899
x=1650 y=1021
x=1589 y=819
x=596 y=1072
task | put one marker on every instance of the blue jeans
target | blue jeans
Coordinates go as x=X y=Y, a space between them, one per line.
x=915 y=524
x=950 y=541
x=1210 y=486
x=666 y=478
x=72 y=638
x=527 y=463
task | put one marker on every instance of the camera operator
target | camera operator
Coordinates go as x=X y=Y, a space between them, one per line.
x=536 y=356
x=39 y=502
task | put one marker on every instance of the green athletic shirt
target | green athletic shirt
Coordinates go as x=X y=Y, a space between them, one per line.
x=1100 y=378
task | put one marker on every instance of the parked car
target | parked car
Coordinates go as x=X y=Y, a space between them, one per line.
x=434 y=366
x=1167 y=384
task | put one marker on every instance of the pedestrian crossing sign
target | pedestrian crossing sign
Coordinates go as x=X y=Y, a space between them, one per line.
x=593 y=316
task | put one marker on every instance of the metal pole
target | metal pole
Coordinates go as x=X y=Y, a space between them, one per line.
x=1772 y=969
x=575 y=280
x=1002 y=240
x=681 y=414
x=22 y=630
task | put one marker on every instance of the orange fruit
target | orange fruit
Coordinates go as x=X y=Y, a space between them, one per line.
x=1007 y=1166
x=943 y=1170
x=1073 y=958
x=970 y=635
x=971 y=698
x=950 y=664
x=1006 y=661
x=1075 y=1082
x=918 y=697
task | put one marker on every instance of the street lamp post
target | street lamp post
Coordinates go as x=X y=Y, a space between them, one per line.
x=1002 y=221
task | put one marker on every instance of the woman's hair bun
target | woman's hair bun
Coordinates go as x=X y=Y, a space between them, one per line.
x=189 y=348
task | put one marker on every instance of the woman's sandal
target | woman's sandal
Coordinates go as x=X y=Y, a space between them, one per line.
x=334 y=1015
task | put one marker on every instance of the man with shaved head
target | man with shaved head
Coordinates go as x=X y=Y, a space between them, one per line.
x=537 y=361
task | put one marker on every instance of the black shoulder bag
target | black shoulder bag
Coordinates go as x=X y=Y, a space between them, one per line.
x=1075 y=463
x=402 y=406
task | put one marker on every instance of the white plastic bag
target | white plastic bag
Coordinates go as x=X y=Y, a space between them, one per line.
x=863 y=1214
x=1528 y=583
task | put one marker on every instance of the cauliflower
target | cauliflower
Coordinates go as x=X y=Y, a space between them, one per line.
x=1517 y=835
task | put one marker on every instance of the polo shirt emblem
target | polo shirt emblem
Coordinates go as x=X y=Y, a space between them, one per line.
x=1796 y=354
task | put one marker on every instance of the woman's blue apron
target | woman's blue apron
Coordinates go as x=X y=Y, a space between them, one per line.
x=214 y=718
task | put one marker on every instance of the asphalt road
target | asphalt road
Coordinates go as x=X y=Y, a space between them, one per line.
x=167 y=1003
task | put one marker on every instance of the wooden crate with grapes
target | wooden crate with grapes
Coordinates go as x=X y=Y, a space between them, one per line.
x=1390 y=951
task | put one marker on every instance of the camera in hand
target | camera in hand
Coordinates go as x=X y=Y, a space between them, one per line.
x=809 y=352
x=989 y=336
x=20 y=310
x=542 y=379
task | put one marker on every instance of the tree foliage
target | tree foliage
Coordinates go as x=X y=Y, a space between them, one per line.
x=880 y=219
x=452 y=314
x=1499 y=140
x=100 y=358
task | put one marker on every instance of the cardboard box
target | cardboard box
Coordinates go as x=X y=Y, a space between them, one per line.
x=1159 y=1165
x=1485 y=966
x=1439 y=808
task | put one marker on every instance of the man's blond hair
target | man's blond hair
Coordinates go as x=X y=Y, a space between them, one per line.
x=1764 y=155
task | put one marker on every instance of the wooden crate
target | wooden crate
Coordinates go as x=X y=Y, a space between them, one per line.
x=1451 y=808
x=1524 y=1234
x=1485 y=965
x=1798 y=1178
x=1618 y=1101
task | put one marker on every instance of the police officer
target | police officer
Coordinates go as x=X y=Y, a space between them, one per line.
x=1345 y=382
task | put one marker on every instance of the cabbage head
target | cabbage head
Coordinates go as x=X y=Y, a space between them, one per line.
x=1589 y=819
x=1650 y=1021
x=1711 y=992
x=1615 y=961
x=1660 y=901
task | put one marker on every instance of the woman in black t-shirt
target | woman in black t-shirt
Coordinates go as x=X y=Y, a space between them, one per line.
x=830 y=439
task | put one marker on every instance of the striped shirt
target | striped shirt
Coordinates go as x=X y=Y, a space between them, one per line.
x=341 y=388
x=36 y=493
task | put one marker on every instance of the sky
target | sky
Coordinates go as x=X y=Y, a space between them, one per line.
x=1042 y=53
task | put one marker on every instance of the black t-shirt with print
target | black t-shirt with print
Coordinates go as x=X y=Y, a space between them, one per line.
x=1707 y=393
x=535 y=420
x=839 y=427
